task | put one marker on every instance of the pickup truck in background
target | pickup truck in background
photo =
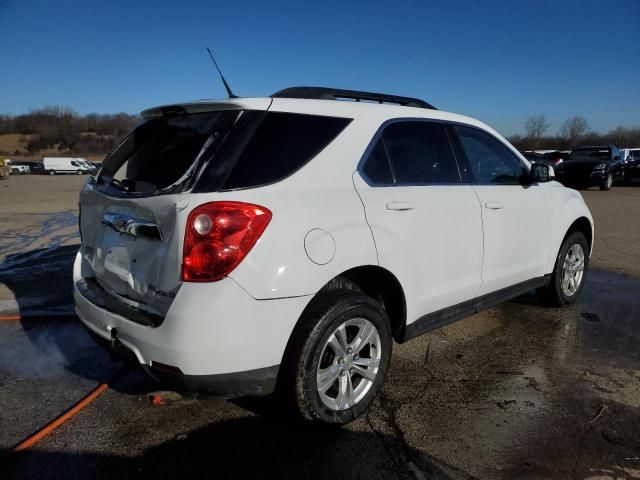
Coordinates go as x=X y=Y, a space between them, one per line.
x=20 y=169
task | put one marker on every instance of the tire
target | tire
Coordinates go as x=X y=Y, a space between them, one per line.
x=555 y=293
x=51 y=172
x=312 y=356
x=607 y=183
x=79 y=172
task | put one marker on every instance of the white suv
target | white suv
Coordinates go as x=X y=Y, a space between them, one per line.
x=250 y=246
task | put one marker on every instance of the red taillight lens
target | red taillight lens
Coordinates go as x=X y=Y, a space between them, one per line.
x=218 y=236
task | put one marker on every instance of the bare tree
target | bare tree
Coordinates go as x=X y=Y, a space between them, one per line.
x=574 y=128
x=536 y=125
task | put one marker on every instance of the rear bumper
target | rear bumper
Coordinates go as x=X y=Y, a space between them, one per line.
x=215 y=338
x=258 y=382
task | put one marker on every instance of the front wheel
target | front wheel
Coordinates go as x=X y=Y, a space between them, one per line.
x=568 y=277
x=337 y=358
x=51 y=172
x=607 y=183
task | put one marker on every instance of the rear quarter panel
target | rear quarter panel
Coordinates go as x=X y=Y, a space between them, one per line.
x=321 y=195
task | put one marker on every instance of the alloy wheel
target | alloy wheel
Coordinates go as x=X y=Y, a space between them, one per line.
x=573 y=270
x=349 y=364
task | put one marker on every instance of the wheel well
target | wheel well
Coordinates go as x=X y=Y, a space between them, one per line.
x=582 y=225
x=381 y=285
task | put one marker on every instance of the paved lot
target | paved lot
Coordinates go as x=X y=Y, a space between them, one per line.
x=520 y=391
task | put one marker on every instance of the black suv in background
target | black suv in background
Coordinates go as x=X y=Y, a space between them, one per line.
x=592 y=166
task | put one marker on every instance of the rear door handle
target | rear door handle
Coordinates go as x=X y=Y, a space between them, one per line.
x=493 y=205
x=400 y=206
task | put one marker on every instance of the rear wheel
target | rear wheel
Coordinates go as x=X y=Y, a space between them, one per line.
x=51 y=172
x=567 y=279
x=607 y=183
x=337 y=358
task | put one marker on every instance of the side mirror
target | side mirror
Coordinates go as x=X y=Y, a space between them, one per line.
x=541 y=173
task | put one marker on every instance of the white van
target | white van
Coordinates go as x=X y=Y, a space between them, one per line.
x=53 y=165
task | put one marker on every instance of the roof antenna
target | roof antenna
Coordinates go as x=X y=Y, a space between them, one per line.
x=226 y=85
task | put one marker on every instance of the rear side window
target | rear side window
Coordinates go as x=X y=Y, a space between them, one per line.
x=491 y=162
x=282 y=144
x=420 y=153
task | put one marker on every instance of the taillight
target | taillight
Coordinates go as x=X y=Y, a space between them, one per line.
x=218 y=236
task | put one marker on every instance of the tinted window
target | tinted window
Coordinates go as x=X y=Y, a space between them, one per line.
x=282 y=144
x=420 y=153
x=377 y=167
x=491 y=162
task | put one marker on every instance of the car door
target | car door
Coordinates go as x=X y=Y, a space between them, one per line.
x=515 y=217
x=425 y=222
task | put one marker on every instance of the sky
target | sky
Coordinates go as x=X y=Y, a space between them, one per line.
x=497 y=60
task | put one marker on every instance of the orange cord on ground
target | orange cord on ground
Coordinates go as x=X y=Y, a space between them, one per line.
x=47 y=429
x=10 y=318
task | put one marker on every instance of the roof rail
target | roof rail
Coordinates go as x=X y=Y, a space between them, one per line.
x=322 y=93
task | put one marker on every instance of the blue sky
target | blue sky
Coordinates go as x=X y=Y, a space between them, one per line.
x=499 y=61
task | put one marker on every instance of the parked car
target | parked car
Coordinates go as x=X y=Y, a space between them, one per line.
x=592 y=166
x=56 y=165
x=19 y=169
x=631 y=157
x=251 y=246
x=547 y=157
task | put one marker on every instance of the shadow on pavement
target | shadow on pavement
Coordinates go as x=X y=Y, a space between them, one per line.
x=41 y=283
x=249 y=447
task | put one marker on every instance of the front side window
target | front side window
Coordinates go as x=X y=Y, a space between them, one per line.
x=491 y=162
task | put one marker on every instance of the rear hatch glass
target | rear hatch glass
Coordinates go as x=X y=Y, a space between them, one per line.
x=163 y=152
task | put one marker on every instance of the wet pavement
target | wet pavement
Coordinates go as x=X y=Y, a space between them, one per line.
x=519 y=391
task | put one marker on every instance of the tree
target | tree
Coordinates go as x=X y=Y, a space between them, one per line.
x=536 y=125
x=574 y=128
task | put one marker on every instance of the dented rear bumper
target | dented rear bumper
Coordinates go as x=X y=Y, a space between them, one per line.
x=214 y=339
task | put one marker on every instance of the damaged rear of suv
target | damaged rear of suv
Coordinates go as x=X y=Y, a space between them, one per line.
x=162 y=228
x=282 y=244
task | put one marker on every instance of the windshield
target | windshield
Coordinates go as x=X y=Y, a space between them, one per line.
x=592 y=154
